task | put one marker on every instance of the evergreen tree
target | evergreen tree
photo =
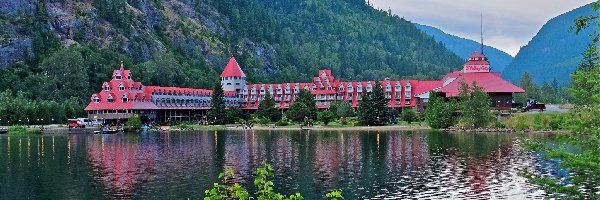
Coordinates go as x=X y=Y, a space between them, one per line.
x=439 y=113
x=344 y=109
x=305 y=97
x=379 y=104
x=374 y=107
x=474 y=106
x=365 y=112
x=584 y=85
x=266 y=108
x=531 y=90
x=217 y=113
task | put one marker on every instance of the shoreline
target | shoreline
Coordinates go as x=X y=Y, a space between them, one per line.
x=343 y=128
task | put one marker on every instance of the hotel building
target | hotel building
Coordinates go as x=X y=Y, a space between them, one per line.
x=122 y=97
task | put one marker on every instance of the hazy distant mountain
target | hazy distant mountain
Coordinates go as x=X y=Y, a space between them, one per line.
x=554 y=52
x=464 y=47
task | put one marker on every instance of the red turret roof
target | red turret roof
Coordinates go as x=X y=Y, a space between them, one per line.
x=476 y=55
x=232 y=69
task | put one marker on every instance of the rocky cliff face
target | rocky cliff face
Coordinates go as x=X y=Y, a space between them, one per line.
x=147 y=27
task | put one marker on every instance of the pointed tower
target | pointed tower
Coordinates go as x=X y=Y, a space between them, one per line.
x=477 y=63
x=233 y=78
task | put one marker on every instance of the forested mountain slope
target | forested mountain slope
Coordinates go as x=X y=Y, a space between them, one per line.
x=55 y=49
x=465 y=47
x=555 y=52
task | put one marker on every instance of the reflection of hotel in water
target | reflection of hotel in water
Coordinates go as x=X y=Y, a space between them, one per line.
x=122 y=164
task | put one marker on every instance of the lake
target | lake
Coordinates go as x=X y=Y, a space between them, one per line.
x=364 y=165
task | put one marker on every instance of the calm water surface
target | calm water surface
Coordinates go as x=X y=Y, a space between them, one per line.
x=365 y=165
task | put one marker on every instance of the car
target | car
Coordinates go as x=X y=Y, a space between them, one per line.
x=75 y=123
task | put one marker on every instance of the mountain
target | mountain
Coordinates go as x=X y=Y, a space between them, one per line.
x=465 y=47
x=187 y=43
x=554 y=52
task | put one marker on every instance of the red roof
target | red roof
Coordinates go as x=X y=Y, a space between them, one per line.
x=476 y=55
x=490 y=82
x=232 y=69
x=426 y=86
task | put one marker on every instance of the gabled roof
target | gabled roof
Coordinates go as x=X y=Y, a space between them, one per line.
x=490 y=82
x=232 y=69
x=426 y=86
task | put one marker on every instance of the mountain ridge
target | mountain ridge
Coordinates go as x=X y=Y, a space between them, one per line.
x=464 y=47
x=553 y=49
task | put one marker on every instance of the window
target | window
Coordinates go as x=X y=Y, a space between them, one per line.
x=125 y=99
x=96 y=99
x=106 y=87
x=407 y=102
x=228 y=83
x=118 y=76
x=129 y=76
x=237 y=83
x=110 y=99
x=121 y=87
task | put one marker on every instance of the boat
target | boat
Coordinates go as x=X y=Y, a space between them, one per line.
x=106 y=130
x=3 y=130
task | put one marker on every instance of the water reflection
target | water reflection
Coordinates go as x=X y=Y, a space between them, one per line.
x=365 y=165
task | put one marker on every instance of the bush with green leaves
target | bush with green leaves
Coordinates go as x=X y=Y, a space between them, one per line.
x=263 y=183
x=134 y=123
x=326 y=116
x=408 y=115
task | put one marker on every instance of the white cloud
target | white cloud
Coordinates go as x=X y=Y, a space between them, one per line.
x=508 y=24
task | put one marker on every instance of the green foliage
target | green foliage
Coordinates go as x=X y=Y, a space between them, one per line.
x=266 y=108
x=15 y=107
x=262 y=121
x=474 y=105
x=408 y=115
x=217 y=113
x=226 y=189
x=326 y=116
x=373 y=108
x=439 y=113
x=17 y=129
x=234 y=114
x=344 y=109
x=306 y=98
x=134 y=123
x=282 y=123
x=334 y=195
x=223 y=190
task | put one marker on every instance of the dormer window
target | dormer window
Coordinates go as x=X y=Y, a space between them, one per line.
x=110 y=99
x=118 y=76
x=121 y=87
x=96 y=99
x=129 y=76
x=106 y=87
x=125 y=99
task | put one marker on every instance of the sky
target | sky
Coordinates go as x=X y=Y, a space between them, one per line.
x=508 y=24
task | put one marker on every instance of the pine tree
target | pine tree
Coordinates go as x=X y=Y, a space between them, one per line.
x=365 y=112
x=373 y=108
x=306 y=98
x=379 y=104
x=217 y=113
x=266 y=108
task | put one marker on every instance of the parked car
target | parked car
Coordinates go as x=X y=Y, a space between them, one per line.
x=76 y=123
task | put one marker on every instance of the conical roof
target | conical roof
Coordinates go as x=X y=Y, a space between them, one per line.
x=232 y=69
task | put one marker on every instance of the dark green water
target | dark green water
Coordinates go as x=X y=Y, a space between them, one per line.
x=365 y=165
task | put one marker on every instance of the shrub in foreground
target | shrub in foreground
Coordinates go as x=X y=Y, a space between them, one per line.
x=226 y=190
